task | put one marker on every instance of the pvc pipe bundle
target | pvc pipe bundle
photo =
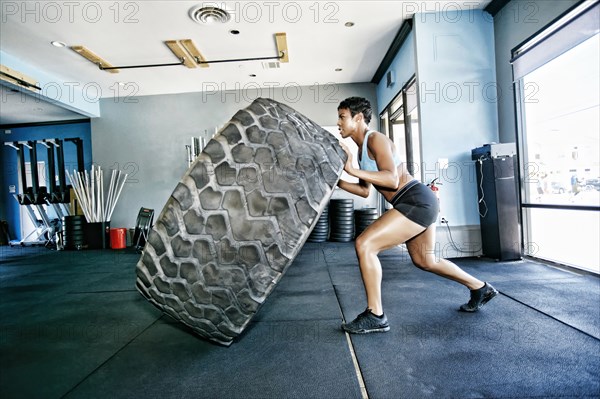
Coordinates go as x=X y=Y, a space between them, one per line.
x=194 y=149
x=89 y=190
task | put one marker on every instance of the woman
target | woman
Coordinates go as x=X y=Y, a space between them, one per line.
x=411 y=221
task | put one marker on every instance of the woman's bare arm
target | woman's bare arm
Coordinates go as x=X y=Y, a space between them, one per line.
x=387 y=175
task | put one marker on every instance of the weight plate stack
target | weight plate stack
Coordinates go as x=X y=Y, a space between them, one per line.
x=72 y=232
x=341 y=218
x=321 y=231
x=363 y=218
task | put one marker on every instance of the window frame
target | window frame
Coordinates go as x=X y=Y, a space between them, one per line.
x=526 y=169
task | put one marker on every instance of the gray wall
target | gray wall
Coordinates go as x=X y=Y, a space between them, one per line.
x=146 y=136
x=516 y=22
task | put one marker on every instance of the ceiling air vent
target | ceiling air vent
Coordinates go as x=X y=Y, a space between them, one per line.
x=209 y=15
x=270 y=65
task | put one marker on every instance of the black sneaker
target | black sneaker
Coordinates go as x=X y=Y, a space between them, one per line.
x=479 y=298
x=367 y=322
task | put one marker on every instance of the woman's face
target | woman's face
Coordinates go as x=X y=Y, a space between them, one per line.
x=346 y=123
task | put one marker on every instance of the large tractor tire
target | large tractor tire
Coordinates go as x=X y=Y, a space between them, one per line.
x=238 y=218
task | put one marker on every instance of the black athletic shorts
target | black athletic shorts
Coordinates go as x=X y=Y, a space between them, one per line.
x=417 y=202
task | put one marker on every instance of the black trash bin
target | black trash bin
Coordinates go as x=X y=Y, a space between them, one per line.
x=97 y=235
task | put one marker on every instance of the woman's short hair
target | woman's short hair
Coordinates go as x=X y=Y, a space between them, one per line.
x=357 y=105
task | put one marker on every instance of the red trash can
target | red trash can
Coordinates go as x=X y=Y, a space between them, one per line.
x=118 y=238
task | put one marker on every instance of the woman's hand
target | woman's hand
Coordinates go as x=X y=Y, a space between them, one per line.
x=362 y=188
x=348 y=167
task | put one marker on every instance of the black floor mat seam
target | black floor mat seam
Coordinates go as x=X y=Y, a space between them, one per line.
x=99 y=292
x=548 y=315
x=361 y=379
x=109 y=358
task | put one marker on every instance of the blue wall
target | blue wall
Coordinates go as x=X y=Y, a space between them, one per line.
x=403 y=67
x=9 y=205
x=452 y=54
x=456 y=76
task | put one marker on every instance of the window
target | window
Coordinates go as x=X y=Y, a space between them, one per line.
x=559 y=122
x=400 y=122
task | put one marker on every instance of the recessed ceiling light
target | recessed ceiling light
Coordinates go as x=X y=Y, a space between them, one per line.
x=338 y=69
x=234 y=32
x=349 y=24
x=58 y=44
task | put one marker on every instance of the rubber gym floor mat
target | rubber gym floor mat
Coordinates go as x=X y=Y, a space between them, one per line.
x=575 y=302
x=82 y=341
x=238 y=218
x=32 y=277
x=306 y=292
x=302 y=359
x=565 y=295
x=52 y=346
x=505 y=350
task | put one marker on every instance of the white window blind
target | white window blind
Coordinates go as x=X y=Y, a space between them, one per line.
x=569 y=30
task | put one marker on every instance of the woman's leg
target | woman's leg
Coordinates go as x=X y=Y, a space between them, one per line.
x=391 y=229
x=421 y=249
x=422 y=252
